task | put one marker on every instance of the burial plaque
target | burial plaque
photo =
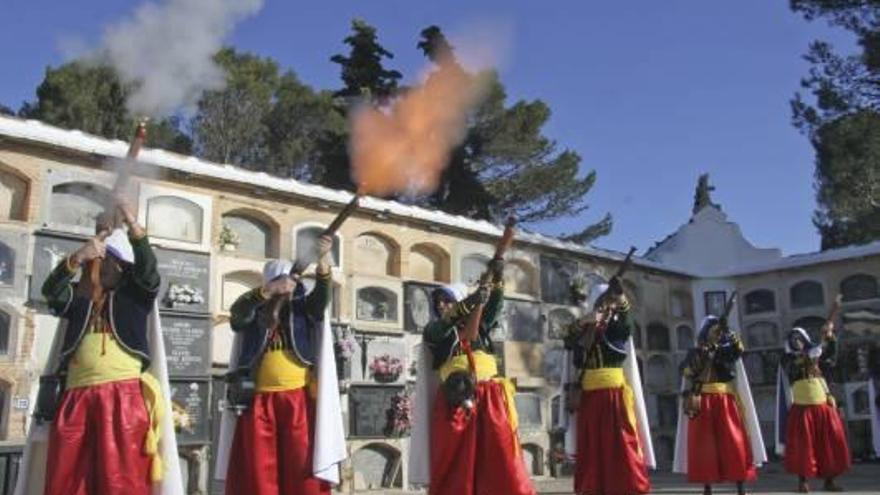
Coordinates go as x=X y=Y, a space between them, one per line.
x=190 y=402
x=48 y=252
x=187 y=345
x=417 y=304
x=557 y=320
x=528 y=408
x=522 y=321
x=13 y=251
x=556 y=277
x=368 y=409
x=185 y=282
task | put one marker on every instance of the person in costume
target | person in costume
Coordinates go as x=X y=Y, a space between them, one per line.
x=721 y=419
x=610 y=429
x=111 y=432
x=815 y=439
x=280 y=330
x=472 y=446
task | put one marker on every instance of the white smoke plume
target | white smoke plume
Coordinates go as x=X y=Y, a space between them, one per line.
x=166 y=51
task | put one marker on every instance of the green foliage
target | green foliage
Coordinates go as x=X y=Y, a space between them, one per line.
x=841 y=120
x=848 y=169
x=362 y=70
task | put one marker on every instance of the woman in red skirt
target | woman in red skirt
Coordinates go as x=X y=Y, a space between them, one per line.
x=815 y=441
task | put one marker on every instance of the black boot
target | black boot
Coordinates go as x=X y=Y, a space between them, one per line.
x=707 y=489
x=803 y=486
x=831 y=486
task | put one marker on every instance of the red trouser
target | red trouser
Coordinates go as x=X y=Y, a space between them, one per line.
x=815 y=442
x=609 y=460
x=272 y=447
x=718 y=445
x=476 y=454
x=96 y=444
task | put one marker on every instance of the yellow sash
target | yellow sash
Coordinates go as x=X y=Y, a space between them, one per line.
x=809 y=391
x=486 y=369
x=602 y=378
x=100 y=359
x=717 y=388
x=280 y=371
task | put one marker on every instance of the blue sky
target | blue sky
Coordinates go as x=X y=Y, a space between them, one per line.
x=650 y=94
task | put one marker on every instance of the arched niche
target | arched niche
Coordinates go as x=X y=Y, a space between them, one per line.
x=533 y=458
x=175 y=218
x=528 y=408
x=472 y=267
x=14 y=193
x=77 y=204
x=7 y=264
x=429 y=262
x=377 y=254
x=760 y=301
x=807 y=294
x=237 y=283
x=684 y=336
x=859 y=287
x=376 y=304
x=257 y=232
x=659 y=373
x=762 y=334
x=305 y=238
x=658 y=337
x=521 y=277
x=377 y=465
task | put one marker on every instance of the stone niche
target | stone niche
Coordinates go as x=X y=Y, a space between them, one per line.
x=376 y=255
x=557 y=318
x=73 y=197
x=49 y=251
x=176 y=218
x=190 y=403
x=472 y=267
x=377 y=304
x=533 y=458
x=528 y=408
x=13 y=264
x=429 y=262
x=13 y=195
x=305 y=240
x=521 y=321
x=237 y=283
x=373 y=362
x=185 y=281
x=377 y=466
x=556 y=277
x=660 y=374
x=417 y=306
x=368 y=409
x=521 y=278
x=858 y=405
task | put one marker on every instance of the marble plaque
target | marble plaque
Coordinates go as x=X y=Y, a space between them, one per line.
x=190 y=401
x=368 y=409
x=187 y=345
x=417 y=306
x=522 y=321
x=185 y=281
x=556 y=277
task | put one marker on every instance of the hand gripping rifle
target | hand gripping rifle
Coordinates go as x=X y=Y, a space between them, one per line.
x=110 y=218
x=702 y=358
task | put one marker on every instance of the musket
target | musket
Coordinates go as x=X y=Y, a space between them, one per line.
x=109 y=219
x=589 y=337
x=834 y=312
x=300 y=265
x=472 y=326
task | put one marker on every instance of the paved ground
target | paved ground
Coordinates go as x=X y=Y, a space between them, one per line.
x=863 y=479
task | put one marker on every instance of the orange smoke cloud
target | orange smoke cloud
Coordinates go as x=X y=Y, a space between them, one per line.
x=404 y=147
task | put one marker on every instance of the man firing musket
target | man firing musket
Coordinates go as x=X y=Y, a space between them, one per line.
x=105 y=398
x=467 y=442
x=608 y=423
x=815 y=439
x=718 y=437
x=272 y=441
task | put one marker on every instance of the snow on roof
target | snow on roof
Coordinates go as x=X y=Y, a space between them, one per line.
x=807 y=259
x=41 y=133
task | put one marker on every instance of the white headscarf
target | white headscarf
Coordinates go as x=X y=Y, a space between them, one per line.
x=276 y=268
x=118 y=245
